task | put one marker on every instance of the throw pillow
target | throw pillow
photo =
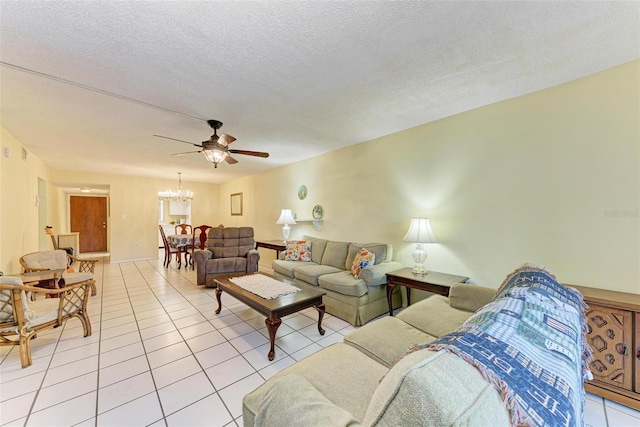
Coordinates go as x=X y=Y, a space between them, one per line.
x=363 y=259
x=298 y=250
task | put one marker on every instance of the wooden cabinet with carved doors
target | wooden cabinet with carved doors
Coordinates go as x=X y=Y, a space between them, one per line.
x=613 y=320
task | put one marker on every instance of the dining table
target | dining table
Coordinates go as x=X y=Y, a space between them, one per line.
x=181 y=242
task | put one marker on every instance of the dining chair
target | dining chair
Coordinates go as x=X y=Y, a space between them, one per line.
x=183 y=229
x=199 y=239
x=168 y=250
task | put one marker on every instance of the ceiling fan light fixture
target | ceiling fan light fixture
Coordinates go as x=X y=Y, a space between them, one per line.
x=216 y=148
x=215 y=156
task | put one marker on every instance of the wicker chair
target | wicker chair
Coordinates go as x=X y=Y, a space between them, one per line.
x=21 y=319
x=52 y=260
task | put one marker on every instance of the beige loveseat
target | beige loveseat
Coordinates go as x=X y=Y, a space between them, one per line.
x=351 y=383
x=228 y=250
x=356 y=300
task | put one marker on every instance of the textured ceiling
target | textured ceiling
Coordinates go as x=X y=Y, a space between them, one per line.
x=296 y=79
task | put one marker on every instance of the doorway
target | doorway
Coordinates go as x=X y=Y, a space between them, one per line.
x=89 y=218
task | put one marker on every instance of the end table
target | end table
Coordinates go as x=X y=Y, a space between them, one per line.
x=438 y=283
x=49 y=279
x=276 y=245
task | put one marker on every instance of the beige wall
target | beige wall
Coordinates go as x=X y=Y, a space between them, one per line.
x=132 y=207
x=19 y=231
x=551 y=177
x=133 y=210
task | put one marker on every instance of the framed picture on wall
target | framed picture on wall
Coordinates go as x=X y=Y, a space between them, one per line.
x=236 y=204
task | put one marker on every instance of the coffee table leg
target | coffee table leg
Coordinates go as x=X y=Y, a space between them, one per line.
x=273 y=323
x=320 y=308
x=218 y=293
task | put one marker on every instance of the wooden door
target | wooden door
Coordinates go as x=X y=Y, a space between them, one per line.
x=89 y=218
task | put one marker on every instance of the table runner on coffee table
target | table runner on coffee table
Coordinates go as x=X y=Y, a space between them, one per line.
x=264 y=286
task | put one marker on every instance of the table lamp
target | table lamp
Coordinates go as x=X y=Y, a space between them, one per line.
x=419 y=232
x=286 y=218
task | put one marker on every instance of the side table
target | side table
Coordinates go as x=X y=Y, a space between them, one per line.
x=49 y=279
x=438 y=283
x=276 y=245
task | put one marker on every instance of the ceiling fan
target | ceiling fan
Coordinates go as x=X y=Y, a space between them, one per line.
x=216 y=149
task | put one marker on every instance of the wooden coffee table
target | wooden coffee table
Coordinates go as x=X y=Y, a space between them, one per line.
x=274 y=309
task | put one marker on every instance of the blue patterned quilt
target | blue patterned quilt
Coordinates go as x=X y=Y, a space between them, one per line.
x=529 y=343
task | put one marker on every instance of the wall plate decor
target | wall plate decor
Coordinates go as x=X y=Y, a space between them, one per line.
x=302 y=192
x=317 y=212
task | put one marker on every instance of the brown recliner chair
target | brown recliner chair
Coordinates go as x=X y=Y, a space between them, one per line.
x=228 y=250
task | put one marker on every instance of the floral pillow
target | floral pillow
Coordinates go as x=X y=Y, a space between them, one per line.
x=298 y=250
x=363 y=259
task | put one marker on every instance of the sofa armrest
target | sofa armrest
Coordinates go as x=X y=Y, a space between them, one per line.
x=294 y=401
x=200 y=258
x=470 y=297
x=202 y=255
x=377 y=274
x=253 y=257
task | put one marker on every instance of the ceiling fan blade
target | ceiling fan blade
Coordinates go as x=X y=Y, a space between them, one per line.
x=230 y=160
x=179 y=140
x=225 y=139
x=250 y=153
x=186 y=152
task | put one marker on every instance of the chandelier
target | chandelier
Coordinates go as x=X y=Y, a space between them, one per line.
x=179 y=194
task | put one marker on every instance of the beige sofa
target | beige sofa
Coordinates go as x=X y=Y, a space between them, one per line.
x=356 y=382
x=356 y=300
x=517 y=355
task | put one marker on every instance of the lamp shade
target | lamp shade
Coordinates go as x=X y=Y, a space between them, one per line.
x=286 y=217
x=420 y=232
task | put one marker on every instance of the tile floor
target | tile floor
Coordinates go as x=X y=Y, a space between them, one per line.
x=160 y=356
